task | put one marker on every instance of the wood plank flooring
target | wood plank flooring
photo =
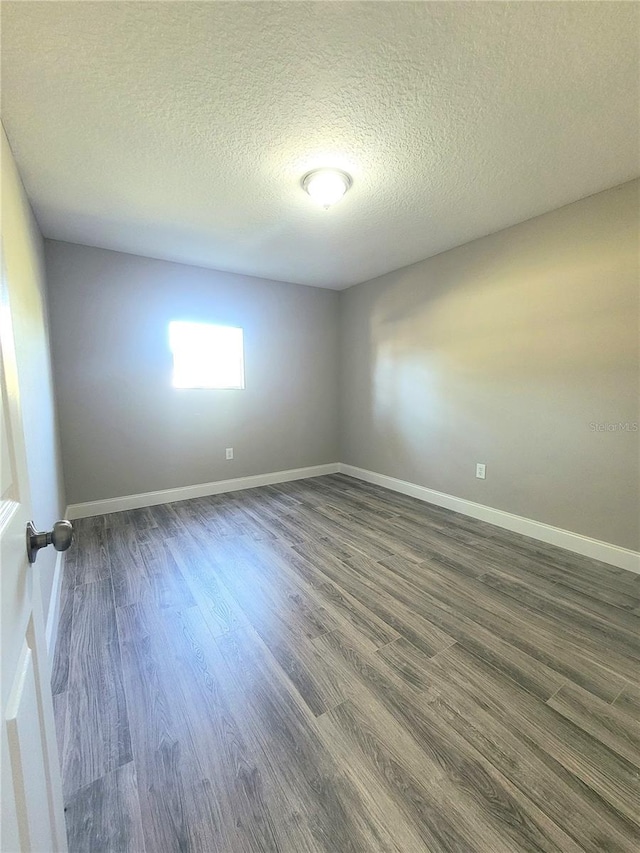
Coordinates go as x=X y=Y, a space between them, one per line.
x=324 y=665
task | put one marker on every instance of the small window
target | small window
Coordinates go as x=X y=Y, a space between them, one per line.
x=206 y=356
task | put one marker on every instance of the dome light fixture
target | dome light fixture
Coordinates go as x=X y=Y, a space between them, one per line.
x=326 y=186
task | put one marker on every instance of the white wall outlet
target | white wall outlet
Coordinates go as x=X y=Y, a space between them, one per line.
x=481 y=470
x=229 y=453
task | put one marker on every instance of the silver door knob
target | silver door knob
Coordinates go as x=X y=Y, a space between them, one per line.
x=60 y=537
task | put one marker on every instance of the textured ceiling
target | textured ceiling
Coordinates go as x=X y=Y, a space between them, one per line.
x=181 y=130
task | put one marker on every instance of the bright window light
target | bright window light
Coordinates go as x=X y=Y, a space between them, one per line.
x=206 y=356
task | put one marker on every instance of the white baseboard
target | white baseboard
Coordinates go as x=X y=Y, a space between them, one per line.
x=200 y=490
x=53 y=614
x=623 y=558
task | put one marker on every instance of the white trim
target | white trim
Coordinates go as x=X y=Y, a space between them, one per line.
x=53 y=614
x=612 y=554
x=200 y=490
x=623 y=558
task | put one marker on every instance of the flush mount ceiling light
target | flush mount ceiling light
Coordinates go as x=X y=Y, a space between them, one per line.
x=326 y=186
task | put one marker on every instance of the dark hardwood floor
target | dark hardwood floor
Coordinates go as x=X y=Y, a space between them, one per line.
x=327 y=666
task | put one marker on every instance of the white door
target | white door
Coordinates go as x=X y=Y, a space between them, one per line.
x=32 y=811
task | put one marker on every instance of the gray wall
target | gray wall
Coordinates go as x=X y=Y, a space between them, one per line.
x=504 y=351
x=124 y=428
x=24 y=262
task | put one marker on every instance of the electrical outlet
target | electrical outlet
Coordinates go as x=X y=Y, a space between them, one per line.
x=481 y=470
x=229 y=452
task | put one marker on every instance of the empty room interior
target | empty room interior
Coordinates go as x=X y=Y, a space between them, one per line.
x=320 y=511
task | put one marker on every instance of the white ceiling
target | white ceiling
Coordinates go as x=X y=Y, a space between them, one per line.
x=180 y=130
